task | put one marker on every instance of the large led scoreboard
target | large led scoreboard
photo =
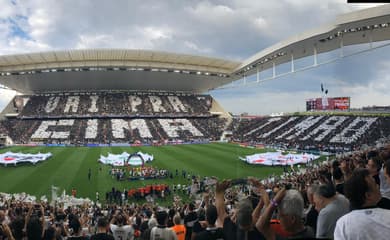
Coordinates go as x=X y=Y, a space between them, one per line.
x=326 y=103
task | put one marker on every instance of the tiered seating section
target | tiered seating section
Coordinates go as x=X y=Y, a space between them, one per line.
x=116 y=105
x=328 y=133
x=161 y=117
x=115 y=118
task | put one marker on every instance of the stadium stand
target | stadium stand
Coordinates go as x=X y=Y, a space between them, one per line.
x=81 y=118
x=325 y=132
x=115 y=105
x=149 y=118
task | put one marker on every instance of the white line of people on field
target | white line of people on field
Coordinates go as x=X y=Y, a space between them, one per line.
x=144 y=172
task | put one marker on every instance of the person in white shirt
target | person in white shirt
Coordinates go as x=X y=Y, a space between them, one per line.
x=366 y=221
x=162 y=232
x=121 y=228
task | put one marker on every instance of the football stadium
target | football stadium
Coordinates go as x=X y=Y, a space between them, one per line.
x=123 y=132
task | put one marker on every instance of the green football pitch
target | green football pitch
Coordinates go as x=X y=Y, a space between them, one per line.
x=69 y=166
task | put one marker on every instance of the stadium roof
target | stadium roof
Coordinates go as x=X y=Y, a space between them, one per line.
x=113 y=69
x=122 y=69
x=363 y=26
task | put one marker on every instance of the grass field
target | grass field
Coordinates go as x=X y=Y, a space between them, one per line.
x=69 y=166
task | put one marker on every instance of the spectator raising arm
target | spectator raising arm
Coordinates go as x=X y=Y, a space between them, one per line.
x=263 y=223
x=220 y=200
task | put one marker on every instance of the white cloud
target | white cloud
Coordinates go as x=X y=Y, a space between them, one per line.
x=7 y=9
x=206 y=11
x=196 y=48
x=40 y=23
x=261 y=23
x=153 y=33
x=93 y=41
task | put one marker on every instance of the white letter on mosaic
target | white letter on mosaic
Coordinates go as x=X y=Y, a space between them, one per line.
x=300 y=127
x=354 y=131
x=52 y=104
x=177 y=104
x=143 y=129
x=270 y=120
x=173 y=126
x=93 y=108
x=278 y=127
x=157 y=104
x=134 y=103
x=72 y=102
x=118 y=126
x=325 y=128
x=91 y=130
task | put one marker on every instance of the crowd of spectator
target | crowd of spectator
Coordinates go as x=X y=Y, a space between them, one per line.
x=344 y=198
x=104 y=118
x=102 y=131
x=150 y=118
x=328 y=133
x=81 y=105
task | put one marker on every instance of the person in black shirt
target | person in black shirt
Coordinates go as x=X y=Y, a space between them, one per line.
x=75 y=225
x=189 y=220
x=103 y=227
x=89 y=174
x=338 y=178
x=312 y=213
x=374 y=165
x=197 y=228
x=211 y=232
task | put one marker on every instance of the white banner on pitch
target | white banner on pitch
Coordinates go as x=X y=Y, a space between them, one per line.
x=14 y=158
x=277 y=158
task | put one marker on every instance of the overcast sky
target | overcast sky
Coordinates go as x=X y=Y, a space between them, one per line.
x=231 y=29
